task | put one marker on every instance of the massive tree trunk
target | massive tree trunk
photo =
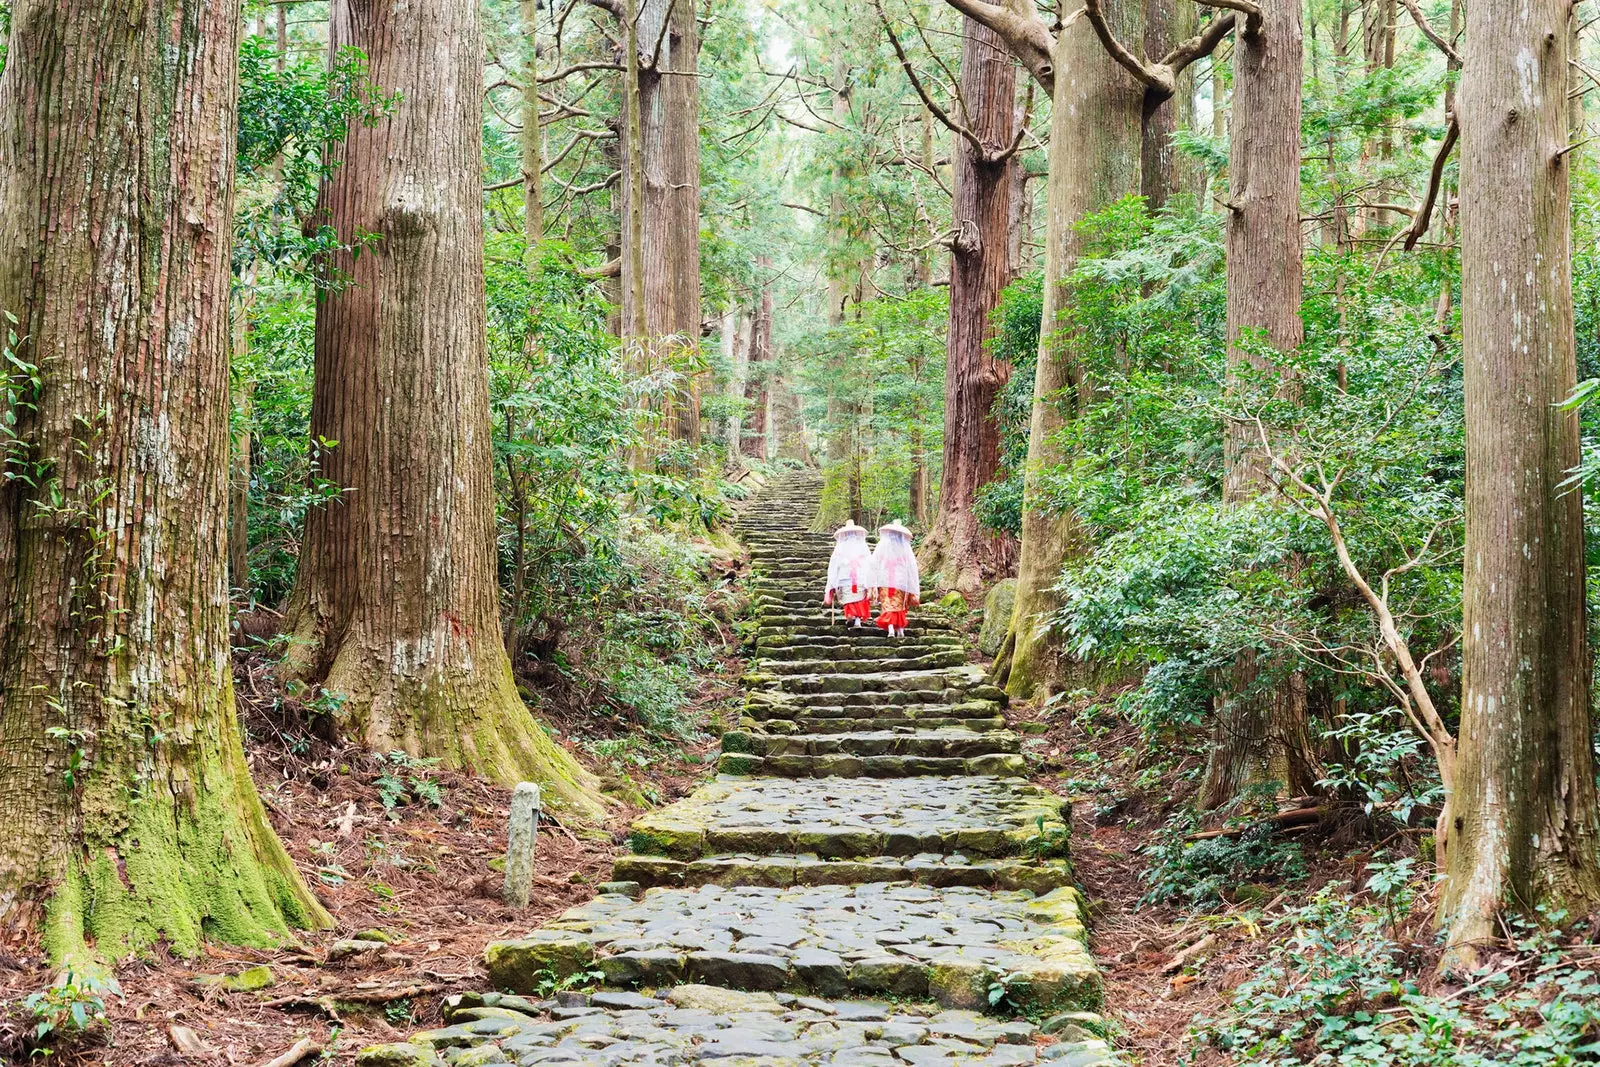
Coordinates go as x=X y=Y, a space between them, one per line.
x=758 y=371
x=1523 y=831
x=1165 y=170
x=1094 y=161
x=669 y=171
x=129 y=810
x=396 y=606
x=958 y=550
x=1261 y=736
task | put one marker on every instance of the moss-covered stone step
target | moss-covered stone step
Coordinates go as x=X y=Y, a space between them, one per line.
x=853 y=818
x=786 y=871
x=905 y=742
x=908 y=942
x=698 y=1025
x=888 y=711
x=848 y=766
x=868 y=661
x=863 y=652
x=967 y=680
x=834 y=629
x=790 y=727
x=867 y=703
x=853 y=637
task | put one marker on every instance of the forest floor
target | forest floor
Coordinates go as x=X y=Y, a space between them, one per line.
x=1166 y=965
x=388 y=846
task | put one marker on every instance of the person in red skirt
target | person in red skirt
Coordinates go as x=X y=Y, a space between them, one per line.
x=895 y=576
x=847 y=574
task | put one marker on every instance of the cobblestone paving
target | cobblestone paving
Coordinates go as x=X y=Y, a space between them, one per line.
x=869 y=836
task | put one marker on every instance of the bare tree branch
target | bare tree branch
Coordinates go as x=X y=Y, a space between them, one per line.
x=1419 y=224
x=1251 y=13
x=928 y=101
x=1159 y=79
x=1142 y=72
x=1431 y=34
x=1022 y=30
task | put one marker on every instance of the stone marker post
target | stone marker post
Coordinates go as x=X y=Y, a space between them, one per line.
x=521 y=837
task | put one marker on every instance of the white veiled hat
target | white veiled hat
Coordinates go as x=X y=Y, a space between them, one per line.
x=849 y=527
x=894 y=527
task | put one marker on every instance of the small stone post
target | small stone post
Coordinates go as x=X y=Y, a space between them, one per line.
x=521 y=837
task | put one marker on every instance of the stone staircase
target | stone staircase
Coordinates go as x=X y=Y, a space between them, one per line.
x=868 y=881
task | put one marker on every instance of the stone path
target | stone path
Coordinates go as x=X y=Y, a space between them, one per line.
x=869 y=881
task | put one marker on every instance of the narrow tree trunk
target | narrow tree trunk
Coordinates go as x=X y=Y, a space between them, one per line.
x=757 y=389
x=532 y=147
x=669 y=115
x=396 y=607
x=1261 y=732
x=1094 y=161
x=737 y=357
x=958 y=551
x=239 y=454
x=129 y=810
x=1020 y=226
x=1524 y=831
x=1164 y=170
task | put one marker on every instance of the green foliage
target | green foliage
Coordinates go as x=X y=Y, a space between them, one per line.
x=289 y=120
x=1339 y=988
x=1203 y=873
x=404 y=780
x=1179 y=579
x=874 y=386
x=74 y=1006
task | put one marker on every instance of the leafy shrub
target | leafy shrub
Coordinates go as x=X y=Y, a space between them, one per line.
x=1199 y=873
x=1340 y=989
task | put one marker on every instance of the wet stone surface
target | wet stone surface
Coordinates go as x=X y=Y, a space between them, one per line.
x=699 y=1024
x=949 y=945
x=853 y=817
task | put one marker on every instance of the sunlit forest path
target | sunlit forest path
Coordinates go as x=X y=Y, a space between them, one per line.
x=870 y=841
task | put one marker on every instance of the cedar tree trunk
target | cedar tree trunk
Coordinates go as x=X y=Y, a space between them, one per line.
x=958 y=548
x=1523 y=831
x=669 y=170
x=396 y=606
x=1094 y=161
x=1165 y=170
x=130 y=814
x=757 y=383
x=1261 y=735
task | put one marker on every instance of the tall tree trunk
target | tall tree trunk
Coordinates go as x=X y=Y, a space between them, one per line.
x=758 y=380
x=1524 y=830
x=129 y=810
x=1164 y=170
x=532 y=147
x=958 y=550
x=669 y=116
x=737 y=357
x=396 y=607
x=239 y=454
x=1261 y=731
x=1094 y=161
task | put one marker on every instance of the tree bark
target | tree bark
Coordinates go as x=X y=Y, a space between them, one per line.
x=1163 y=169
x=532 y=142
x=1095 y=146
x=396 y=606
x=669 y=169
x=958 y=550
x=130 y=814
x=757 y=387
x=1524 y=830
x=1261 y=735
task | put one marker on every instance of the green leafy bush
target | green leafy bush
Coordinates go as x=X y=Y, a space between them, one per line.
x=1342 y=988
